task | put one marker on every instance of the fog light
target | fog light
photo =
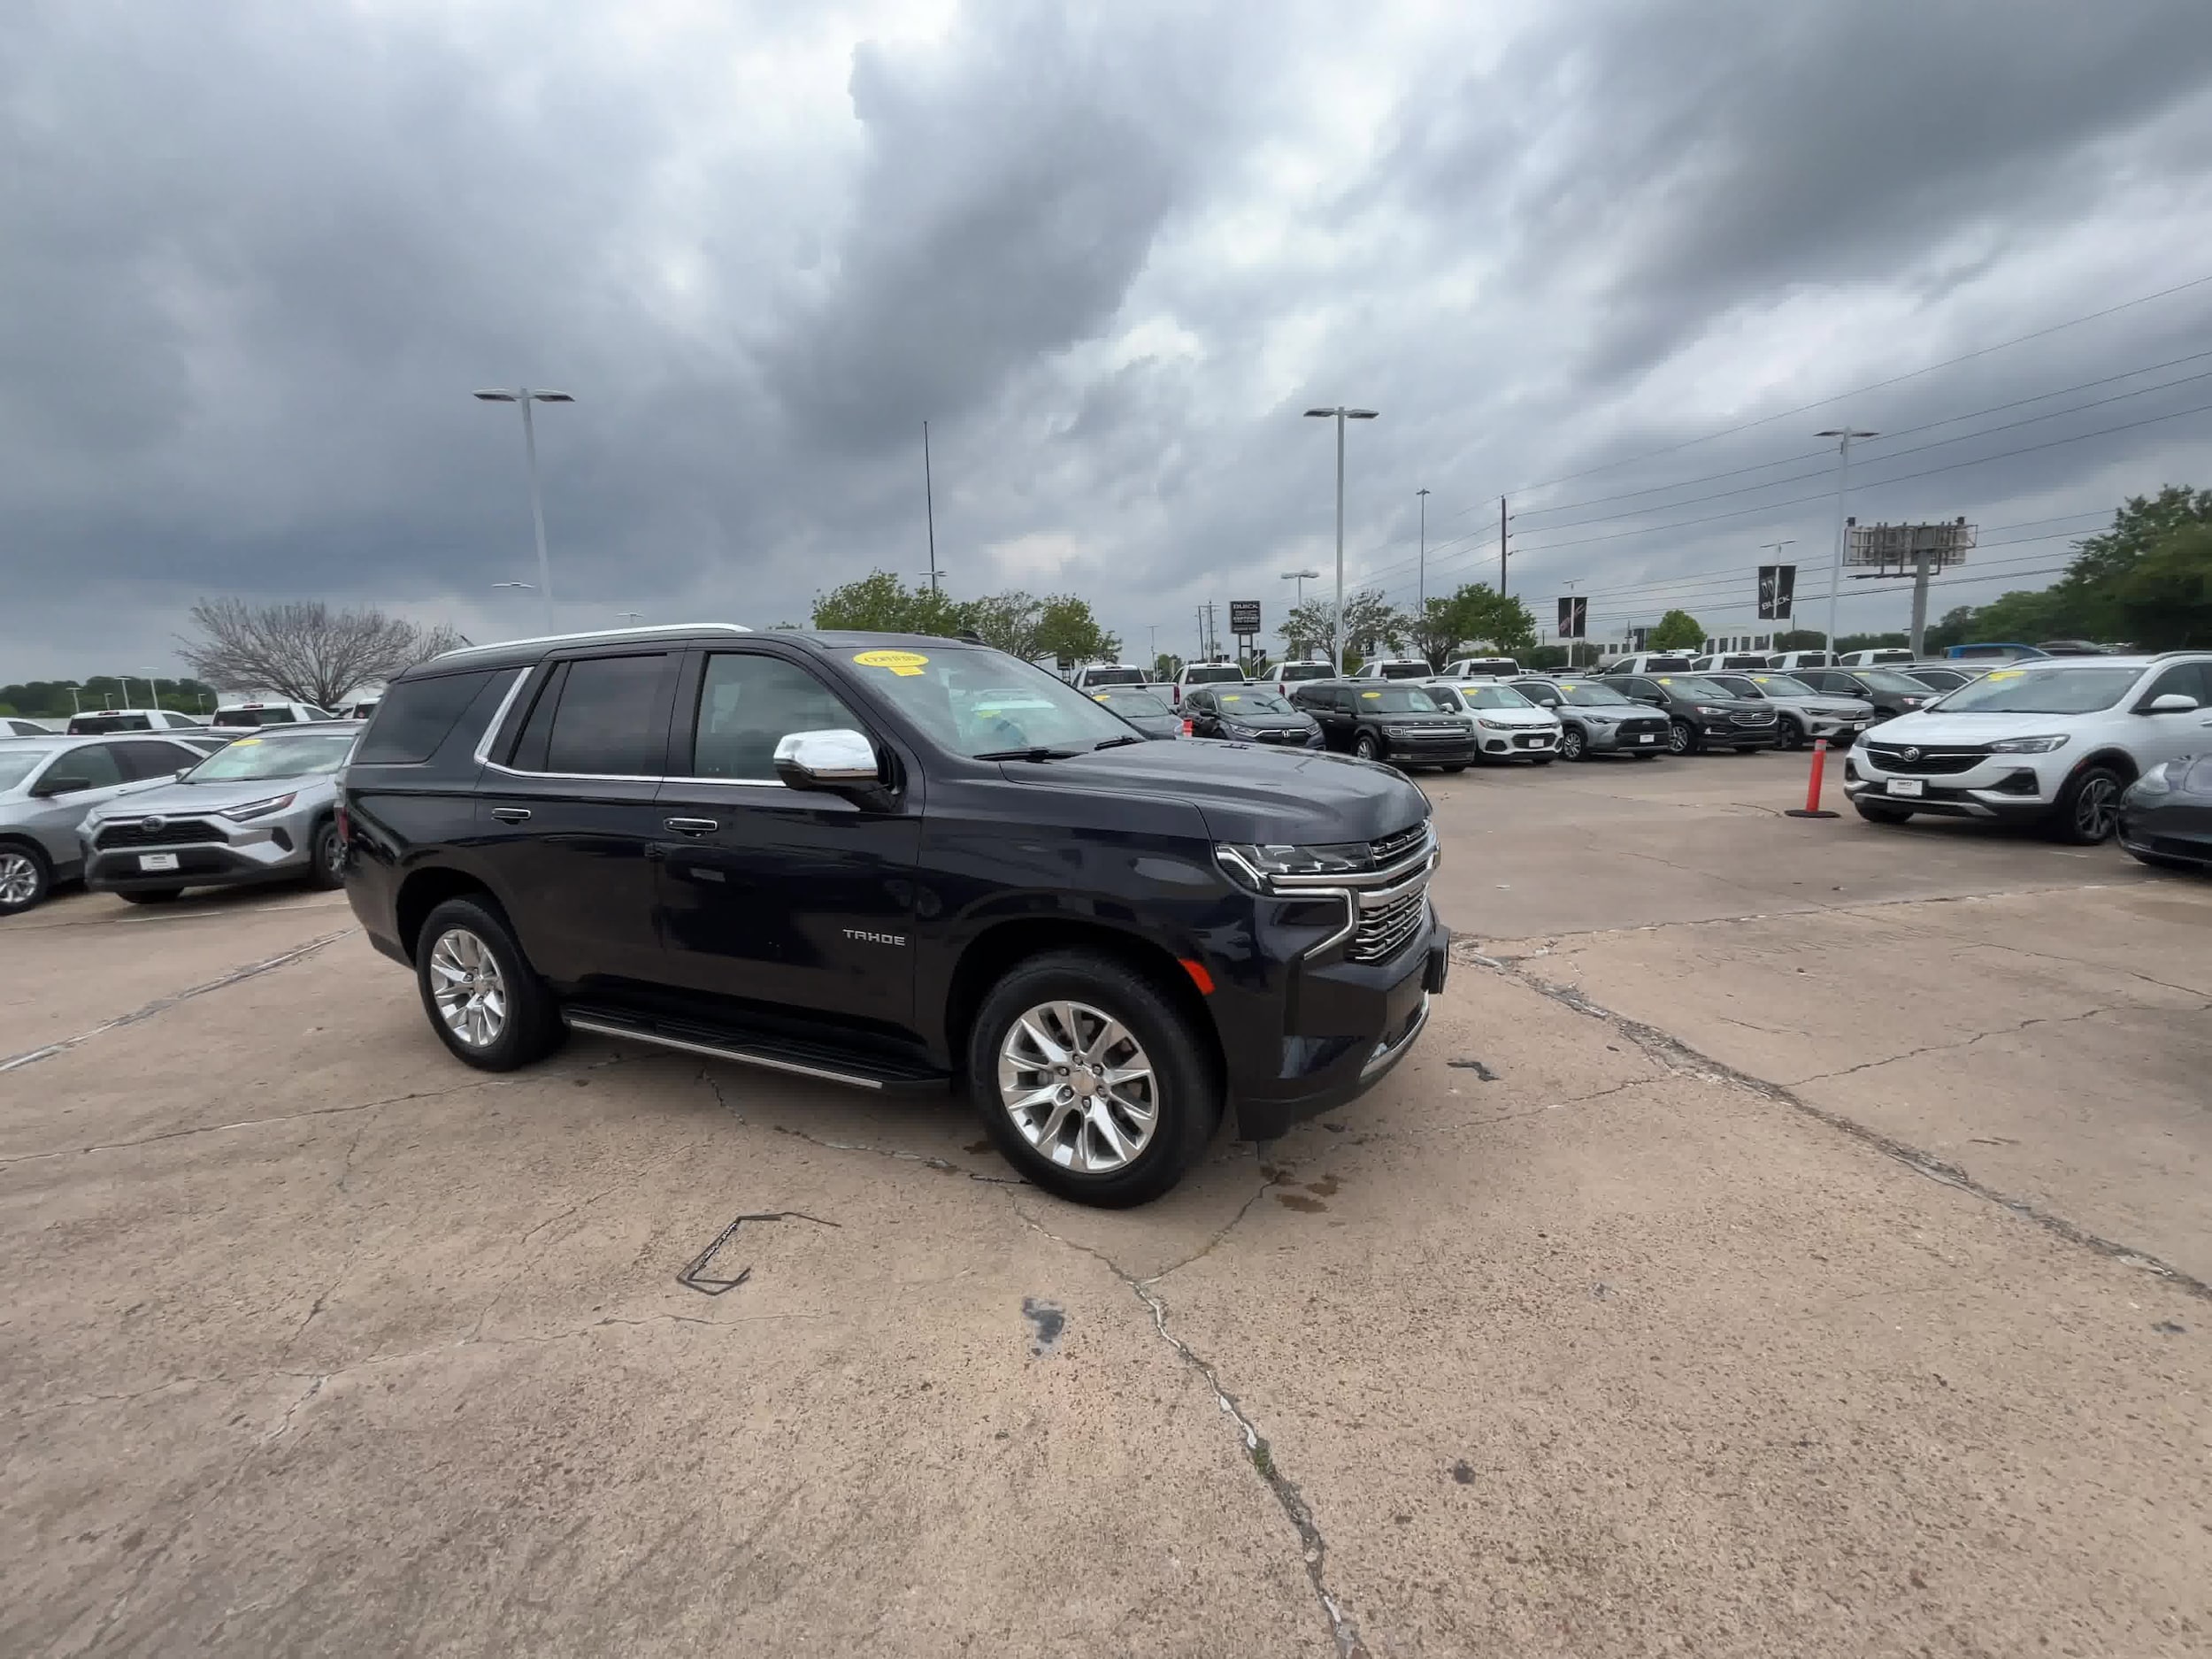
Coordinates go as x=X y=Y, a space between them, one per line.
x=283 y=840
x=2021 y=782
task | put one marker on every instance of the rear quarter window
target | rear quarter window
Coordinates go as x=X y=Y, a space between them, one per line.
x=417 y=716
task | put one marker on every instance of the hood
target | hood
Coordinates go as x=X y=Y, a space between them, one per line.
x=1514 y=716
x=1263 y=722
x=1941 y=727
x=1827 y=703
x=1156 y=725
x=1247 y=793
x=192 y=800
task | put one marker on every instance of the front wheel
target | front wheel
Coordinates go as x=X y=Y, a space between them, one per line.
x=1572 y=744
x=327 y=865
x=2088 y=809
x=26 y=878
x=1789 y=734
x=1365 y=747
x=1681 y=739
x=1090 y=1082
x=484 y=1001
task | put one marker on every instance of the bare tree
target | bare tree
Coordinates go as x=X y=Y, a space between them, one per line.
x=304 y=651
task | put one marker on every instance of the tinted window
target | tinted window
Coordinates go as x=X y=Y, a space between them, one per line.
x=152 y=760
x=1114 y=677
x=2189 y=680
x=604 y=724
x=1645 y=688
x=280 y=714
x=84 y=723
x=747 y=704
x=95 y=763
x=1196 y=701
x=1132 y=703
x=416 y=715
x=1294 y=672
x=1397 y=699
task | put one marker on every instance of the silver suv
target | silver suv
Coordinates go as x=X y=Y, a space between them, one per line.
x=47 y=784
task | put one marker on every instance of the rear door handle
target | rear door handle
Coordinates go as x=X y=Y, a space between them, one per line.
x=693 y=825
x=511 y=814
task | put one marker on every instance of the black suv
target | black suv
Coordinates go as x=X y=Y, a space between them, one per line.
x=1699 y=714
x=1389 y=721
x=1891 y=692
x=894 y=861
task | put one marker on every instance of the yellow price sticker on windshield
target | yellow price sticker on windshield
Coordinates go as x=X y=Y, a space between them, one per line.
x=1371 y=693
x=1098 y=697
x=904 y=664
x=1664 y=680
x=2005 y=673
x=243 y=742
x=1233 y=697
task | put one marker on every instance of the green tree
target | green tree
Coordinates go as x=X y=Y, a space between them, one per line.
x=879 y=603
x=1007 y=620
x=1370 y=620
x=1474 y=615
x=1677 y=630
x=1068 y=631
x=2165 y=598
x=1800 y=639
x=1166 y=665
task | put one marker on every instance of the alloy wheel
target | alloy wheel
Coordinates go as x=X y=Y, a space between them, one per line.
x=1679 y=738
x=332 y=847
x=2096 y=810
x=1079 y=1087
x=468 y=987
x=1571 y=743
x=1364 y=748
x=18 y=878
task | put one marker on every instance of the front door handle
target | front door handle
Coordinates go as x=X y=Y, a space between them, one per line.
x=511 y=814
x=693 y=825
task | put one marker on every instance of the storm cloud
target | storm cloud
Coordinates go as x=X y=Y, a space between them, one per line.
x=1598 y=257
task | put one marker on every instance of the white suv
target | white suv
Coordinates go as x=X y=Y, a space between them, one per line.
x=2055 y=740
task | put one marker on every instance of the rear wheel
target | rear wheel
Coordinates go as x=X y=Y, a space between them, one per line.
x=1874 y=812
x=1681 y=738
x=151 y=895
x=25 y=878
x=1572 y=744
x=1788 y=733
x=484 y=1001
x=1090 y=1080
x=2088 y=809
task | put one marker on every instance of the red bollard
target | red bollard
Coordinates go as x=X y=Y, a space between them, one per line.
x=1811 y=808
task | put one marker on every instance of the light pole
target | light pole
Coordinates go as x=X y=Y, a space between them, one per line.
x=1843 y=436
x=1776 y=548
x=1301 y=578
x=1341 y=414
x=1421 y=591
x=525 y=396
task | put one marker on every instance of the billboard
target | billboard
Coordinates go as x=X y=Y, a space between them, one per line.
x=1778 y=589
x=1898 y=548
x=1574 y=617
x=1244 y=616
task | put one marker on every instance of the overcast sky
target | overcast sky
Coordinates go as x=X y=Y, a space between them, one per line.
x=256 y=256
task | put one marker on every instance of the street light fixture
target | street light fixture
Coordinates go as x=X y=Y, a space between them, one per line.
x=1301 y=578
x=1844 y=435
x=524 y=396
x=1341 y=414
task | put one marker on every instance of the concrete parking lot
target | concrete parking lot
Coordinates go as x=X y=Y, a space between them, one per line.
x=1789 y=1238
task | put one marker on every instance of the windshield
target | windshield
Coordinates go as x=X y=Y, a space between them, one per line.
x=298 y=756
x=1212 y=674
x=1588 y=696
x=1236 y=702
x=1694 y=686
x=1736 y=685
x=1783 y=686
x=2041 y=691
x=984 y=704
x=1292 y=672
x=14 y=768
x=1131 y=703
x=1494 y=697
x=1890 y=679
x=1398 y=700
x=1114 y=677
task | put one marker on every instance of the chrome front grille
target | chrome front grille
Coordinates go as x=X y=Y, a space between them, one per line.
x=1383 y=932
x=1924 y=763
x=1403 y=840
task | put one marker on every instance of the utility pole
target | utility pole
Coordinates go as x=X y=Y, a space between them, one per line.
x=1341 y=415
x=1421 y=591
x=1202 y=633
x=1501 y=546
x=1843 y=434
x=929 y=508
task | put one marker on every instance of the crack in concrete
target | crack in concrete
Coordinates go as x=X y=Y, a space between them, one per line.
x=161 y=1004
x=1965 y=1042
x=1269 y=1181
x=1677 y=1055
x=256 y=1122
x=1313 y=1547
x=926 y=1160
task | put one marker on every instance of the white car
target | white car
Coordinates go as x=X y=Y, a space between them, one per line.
x=1508 y=726
x=2055 y=742
x=1648 y=662
x=1283 y=676
x=1883 y=656
x=1395 y=668
x=1787 y=662
x=1099 y=676
x=1203 y=674
x=236 y=717
x=1481 y=668
x=1729 y=662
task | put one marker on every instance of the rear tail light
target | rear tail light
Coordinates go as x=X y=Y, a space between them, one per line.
x=345 y=824
x=1188 y=731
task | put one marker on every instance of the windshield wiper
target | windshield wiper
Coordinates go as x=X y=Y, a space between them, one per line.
x=1114 y=742
x=1039 y=752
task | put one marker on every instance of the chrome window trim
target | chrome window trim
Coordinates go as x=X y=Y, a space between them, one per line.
x=483 y=750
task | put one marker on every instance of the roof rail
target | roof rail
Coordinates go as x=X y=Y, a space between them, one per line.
x=596 y=634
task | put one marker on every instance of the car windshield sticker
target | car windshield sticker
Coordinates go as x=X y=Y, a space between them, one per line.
x=1371 y=693
x=1099 y=697
x=1664 y=680
x=1233 y=697
x=904 y=664
x=2004 y=673
x=244 y=742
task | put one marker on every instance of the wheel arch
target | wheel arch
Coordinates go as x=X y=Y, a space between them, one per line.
x=2116 y=759
x=422 y=890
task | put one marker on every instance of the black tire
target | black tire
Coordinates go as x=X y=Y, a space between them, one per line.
x=1874 y=812
x=1457 y=765
x=1365 y=747
x=2088 y=808
x=1573 y=745
x=1185 y=1095
x=151 y=895
x=1681 y=738
x=530 y=1026
x=327 y=858
x=1643 y=754
x=1788 y=735
x=1541 y=760
x=27 y=879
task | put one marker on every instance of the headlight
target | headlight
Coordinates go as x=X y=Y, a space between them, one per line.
x=2028 y=745
x=1494 y=726
x=1238 y=730
x=1250 y=863
x=259 y=808
x=1707 y=709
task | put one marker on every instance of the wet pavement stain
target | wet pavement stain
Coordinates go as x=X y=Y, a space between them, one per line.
x=1050 y=1320
x=1325 y=1186
x=981 y=1146
x=1298 y=1201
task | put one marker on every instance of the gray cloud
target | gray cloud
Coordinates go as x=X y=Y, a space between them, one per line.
x=256 y=256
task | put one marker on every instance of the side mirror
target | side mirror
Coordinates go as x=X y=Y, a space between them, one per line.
x=64 y=785
x=838 y=761
x=2170 y=702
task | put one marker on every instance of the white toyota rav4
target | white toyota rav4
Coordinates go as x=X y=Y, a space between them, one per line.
x=2055 y=741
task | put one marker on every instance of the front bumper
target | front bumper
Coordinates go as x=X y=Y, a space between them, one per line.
x=250 y=852
x=1607 y=739
x=2027 y=792
x=1517 y=743
x=1724 y=735
x=1409 y=751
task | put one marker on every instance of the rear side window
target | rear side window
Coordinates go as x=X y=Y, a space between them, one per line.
x=152 y=760
x=416 y=716
x=747 y=704
x=93 y=765
x=598 y=716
